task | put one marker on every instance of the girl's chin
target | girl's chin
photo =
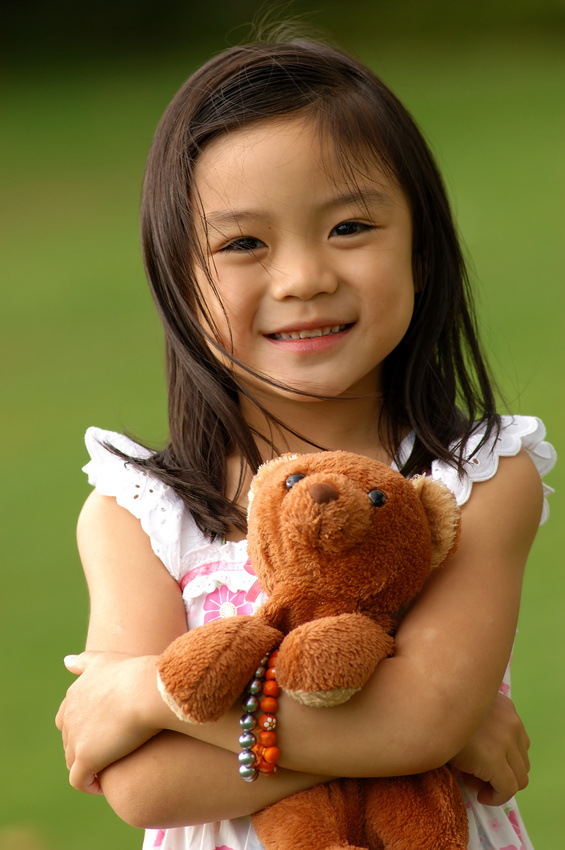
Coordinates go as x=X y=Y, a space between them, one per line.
x=304 y=392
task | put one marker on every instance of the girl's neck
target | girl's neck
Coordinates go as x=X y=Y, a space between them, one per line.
x=346 y=424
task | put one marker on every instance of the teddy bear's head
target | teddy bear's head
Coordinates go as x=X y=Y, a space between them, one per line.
x=338 y=525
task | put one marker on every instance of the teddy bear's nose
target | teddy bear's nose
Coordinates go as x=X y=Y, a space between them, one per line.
x=322 y=493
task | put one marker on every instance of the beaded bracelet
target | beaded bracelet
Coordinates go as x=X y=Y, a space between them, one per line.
x=262 y=691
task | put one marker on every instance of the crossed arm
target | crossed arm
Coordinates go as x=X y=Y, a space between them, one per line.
x=434 y=701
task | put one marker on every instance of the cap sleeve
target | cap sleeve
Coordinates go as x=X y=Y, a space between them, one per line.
x=160 y=510
x=516 y=433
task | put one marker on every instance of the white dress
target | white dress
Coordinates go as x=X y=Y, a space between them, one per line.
x=217 y=580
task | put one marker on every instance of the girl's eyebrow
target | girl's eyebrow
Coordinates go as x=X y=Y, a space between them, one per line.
x=367 y=197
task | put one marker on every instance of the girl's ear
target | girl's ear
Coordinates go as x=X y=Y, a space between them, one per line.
x=444 y=516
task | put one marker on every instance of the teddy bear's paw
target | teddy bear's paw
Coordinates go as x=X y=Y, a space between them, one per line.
x=178 y=711
x=325 y=661
x=323 y=699
x=202 y=673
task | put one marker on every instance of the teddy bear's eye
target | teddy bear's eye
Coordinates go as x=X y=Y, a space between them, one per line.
x=377 y=497
x=292 y=480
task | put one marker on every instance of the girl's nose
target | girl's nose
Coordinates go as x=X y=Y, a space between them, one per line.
x=302 y=273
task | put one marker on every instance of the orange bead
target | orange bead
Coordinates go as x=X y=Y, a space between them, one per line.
x=271 y=755
x=269 y=705
x=271 y=689
x=259 y=749
x=273 y=658
x=267 y=739
x=267 y=722
x=271 y=674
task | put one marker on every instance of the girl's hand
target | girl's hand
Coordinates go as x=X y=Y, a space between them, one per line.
x=105 y=714
x=495 y=759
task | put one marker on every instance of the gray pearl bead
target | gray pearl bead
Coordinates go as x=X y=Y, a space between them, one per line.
x=246 y=757
x=260 y=672
x=248 y=722
x=255 y=686
x=247 y=740
x=250 y=704
x=247 y=773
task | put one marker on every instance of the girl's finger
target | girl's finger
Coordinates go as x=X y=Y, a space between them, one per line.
x=78 y=663
x=520 y=765
x=86 y=782
x=505 y=785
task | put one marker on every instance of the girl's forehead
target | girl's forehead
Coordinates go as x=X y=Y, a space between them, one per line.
x=264 y=152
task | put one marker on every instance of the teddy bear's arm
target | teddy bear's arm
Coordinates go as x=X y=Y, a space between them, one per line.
x=325 y=661
x=201 y=673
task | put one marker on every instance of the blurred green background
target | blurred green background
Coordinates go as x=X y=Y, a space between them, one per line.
x=83 y=88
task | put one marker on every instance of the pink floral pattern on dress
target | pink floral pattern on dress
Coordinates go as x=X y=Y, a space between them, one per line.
x=222 y=602
x=513 y=818
x=159 y=838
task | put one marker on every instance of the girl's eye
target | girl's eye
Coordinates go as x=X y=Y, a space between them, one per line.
x=350 y=228
x=246 y=244
x=292 y=480
x=377 y=497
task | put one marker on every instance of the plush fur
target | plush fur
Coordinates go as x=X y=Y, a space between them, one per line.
x=340 y=543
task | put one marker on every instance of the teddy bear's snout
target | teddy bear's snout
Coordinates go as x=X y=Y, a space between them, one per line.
x=322 y=493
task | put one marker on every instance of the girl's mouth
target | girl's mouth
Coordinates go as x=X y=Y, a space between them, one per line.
x=310 y=334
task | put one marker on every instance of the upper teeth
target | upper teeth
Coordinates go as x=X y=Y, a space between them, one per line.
x=333 y=329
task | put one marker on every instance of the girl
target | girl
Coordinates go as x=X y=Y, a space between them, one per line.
x=301 y=252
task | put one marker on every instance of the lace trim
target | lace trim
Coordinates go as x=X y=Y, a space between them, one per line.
x=159 y=509
x=234 y=579
x=203 y=569
x=516 y=432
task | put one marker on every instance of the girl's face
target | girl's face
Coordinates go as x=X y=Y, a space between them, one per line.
x=314 y=271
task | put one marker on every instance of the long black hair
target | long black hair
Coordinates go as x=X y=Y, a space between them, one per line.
x=435 y=382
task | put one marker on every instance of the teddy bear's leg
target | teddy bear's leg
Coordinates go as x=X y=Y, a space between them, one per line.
x=202 y=672
x=325 y=661
x=425 y=811
x=327 y=817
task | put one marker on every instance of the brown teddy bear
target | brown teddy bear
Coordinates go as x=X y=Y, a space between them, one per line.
x=340 y=543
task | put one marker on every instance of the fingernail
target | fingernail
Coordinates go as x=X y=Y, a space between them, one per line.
x=69 y=660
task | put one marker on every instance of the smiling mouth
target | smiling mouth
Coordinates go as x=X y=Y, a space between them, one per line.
x=310 y=334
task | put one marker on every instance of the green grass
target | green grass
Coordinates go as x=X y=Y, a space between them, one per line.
x=83 y=346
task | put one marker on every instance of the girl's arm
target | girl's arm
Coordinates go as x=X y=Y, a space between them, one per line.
x=174 y=780
x=420 y=707
x=180 y=781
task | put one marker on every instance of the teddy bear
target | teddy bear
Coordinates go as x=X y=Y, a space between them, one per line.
x=341 y=544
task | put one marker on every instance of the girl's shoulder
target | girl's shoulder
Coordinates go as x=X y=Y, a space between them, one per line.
x=161 y=511
x=516 y=433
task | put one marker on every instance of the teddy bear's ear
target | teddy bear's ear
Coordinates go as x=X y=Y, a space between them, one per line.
x=443 y=516
x=263 y=472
